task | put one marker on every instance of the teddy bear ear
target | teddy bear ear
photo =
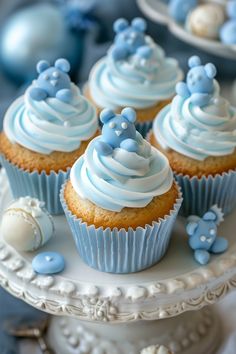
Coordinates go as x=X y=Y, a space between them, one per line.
x=129 y=114
x=106 y=114
x=209 y=216
x=191 y=227
x=120 y=25
x=210 y=70
x=63 y=65
x=139 y=24
x=42 y=65
x=194 y=61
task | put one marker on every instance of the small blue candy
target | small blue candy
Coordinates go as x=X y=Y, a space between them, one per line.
x=231 y=9
x=228 y=30
x=48 y=263
x=203 y=237
x=179 y=9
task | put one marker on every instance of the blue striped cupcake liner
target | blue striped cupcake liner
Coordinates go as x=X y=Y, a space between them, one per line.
x=199 y=194
x=45 y=187
x=120 y=251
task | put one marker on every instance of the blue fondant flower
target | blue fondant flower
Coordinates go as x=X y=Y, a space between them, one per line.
x=228 y=30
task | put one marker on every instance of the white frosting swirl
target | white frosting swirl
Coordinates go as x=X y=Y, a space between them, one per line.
x=134 y=82
x=50 y=125
x=197 y=132
x=123 y=179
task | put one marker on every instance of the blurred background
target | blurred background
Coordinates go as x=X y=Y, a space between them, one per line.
x=81 y=31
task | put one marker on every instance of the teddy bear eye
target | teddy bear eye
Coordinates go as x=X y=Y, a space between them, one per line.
x=112 y=125
x=46 y=77
x=212 y=231
x=124 y=125
x=55 y=74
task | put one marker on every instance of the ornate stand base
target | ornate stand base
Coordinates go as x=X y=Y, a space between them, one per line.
x=195 y=332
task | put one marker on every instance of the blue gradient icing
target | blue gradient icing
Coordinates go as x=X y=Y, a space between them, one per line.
x=197 y=132
x=50 y=125
x=140 y=80
x=122 y=179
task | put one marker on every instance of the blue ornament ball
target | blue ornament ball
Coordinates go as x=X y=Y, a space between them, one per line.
x=33 y=33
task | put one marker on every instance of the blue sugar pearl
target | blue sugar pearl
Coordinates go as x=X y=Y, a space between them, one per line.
x=48 y=263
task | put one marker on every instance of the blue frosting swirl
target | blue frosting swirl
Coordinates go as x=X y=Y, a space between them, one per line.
x=197 y=132
x=123 y=179
x=134 y=81
x=50 y=125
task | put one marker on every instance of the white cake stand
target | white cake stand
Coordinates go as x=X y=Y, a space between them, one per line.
x=100 y=313
x=157 y=11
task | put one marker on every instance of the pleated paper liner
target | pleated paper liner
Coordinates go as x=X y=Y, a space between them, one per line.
x=45 y=187
x=121 y=251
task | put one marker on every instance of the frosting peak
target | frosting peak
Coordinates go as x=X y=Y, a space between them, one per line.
x=198 y=124
x=135 y=71
x=58 y=121
x=125 y=172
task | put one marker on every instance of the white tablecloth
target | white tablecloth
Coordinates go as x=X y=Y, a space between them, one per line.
x=227 y=312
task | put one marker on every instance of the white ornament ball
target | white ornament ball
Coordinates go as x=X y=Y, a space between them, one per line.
x=26 y=225
x=206 y=20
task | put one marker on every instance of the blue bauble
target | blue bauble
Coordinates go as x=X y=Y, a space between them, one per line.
x=179 y=9
x=34 y=33
x=228 y=32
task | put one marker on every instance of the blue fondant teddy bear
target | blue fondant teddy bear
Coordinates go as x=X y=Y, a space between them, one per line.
x=179 y=9
x=53 y=81
x=199 y=85
x=118 y=131
x=203 y=237
x=130 y=40
x=228 y=30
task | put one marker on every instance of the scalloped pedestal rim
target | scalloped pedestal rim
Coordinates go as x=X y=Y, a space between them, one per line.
x=125 y=303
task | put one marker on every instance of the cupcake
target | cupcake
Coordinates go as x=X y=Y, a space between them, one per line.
x=44 y=133
x=135 y=73
x=197 y=133
x=121 y=200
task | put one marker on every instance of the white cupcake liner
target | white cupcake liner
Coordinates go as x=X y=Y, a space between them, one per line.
x=199 y=194
x=45 y=187
x=121 y=251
